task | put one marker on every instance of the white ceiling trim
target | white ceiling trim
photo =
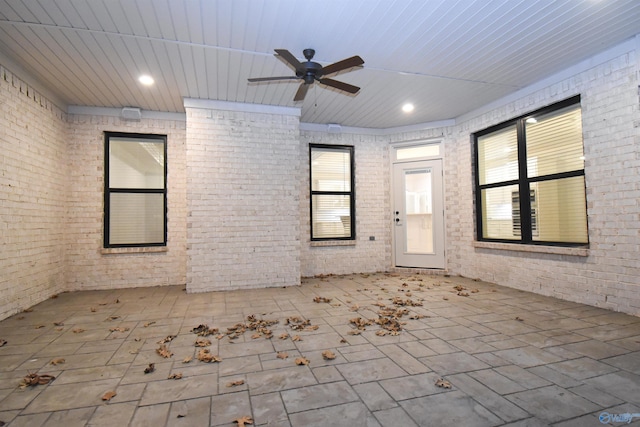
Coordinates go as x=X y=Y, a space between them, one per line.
x=210 y=104
x=117 y=112
x=315 y=127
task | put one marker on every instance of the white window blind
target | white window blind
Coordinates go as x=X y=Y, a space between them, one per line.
x=331 y=192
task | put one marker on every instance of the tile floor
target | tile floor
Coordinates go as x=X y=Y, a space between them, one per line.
x=511 y=357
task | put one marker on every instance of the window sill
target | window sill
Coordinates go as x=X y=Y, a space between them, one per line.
x=136 y=250
x=556 y=250
x=323 y=243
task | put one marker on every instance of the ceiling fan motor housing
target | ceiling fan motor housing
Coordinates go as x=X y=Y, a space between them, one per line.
x=310 y=71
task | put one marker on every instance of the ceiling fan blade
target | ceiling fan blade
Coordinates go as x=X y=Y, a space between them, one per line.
x=302 y=92
x=288 y=56
x=267 y=79
x=354 y=61
x=340 y=85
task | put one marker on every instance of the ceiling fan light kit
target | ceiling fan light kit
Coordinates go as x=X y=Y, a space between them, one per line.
x=310 y=72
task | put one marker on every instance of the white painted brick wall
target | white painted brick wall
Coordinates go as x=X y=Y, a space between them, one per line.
x=371 y=156
x=33 y=189
x=89 y=268
x=243 y=179
x=610 y=276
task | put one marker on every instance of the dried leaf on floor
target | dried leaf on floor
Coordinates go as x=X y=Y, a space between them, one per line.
x=475 y=291
x=407 y=302
x=296 y=338
x=443 y=383
x=379 y=304
x=381 y=333
x=297 y=323
x=284 y=336
x=519 y=319
x=113 y=318
x=205 y=355
x=77 y=330
x=32 y=380
x=149 y=369
x=202 y=342
x=58 y=323
x=445 y=298
x=164 y=351
x=204 y=330
x=354 y=307
x=109 y=395
x=235 y=383
x=119 y=329
x=463 y=294
x=93 y=309
x=354 y=332
x=255 y=336
x=146 y=325
x=58 y=361
x=459 y=288
x=168 y=338
x=416 y=316
x=282 y=355
x=187 y=359
x=39 y=326
x=3 y=343
x=302 y=361
x=328 y=355
x=322 y=299
x=343 y=341
x=176 y=376
x=311 y=328
x=360 y=323
x=242 y=422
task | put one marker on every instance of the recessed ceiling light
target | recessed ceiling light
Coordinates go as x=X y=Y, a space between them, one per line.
x=146 y=80
x=407 y=108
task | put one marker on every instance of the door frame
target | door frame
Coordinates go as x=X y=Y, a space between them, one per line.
x=434 y=151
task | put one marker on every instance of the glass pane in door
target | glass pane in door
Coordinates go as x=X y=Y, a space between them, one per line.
x=418 y=211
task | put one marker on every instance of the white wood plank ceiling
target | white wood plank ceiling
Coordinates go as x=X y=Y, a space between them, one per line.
x=447 y=57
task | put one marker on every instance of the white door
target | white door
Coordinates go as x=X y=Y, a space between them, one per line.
x=418 y=214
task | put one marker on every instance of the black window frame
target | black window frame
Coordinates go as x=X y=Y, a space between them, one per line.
x=527 y=231
x=108 y=191
x=352 y=194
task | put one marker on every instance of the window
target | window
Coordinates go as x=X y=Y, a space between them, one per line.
x=135 y=195
x=332 y=192
x=540 y=154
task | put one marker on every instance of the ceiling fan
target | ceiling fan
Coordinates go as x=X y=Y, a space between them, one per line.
x=310 y=72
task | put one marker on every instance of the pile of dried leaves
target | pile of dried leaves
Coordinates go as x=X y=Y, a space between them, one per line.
x=32 y=380
x=299 y=324
x=204 y=330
